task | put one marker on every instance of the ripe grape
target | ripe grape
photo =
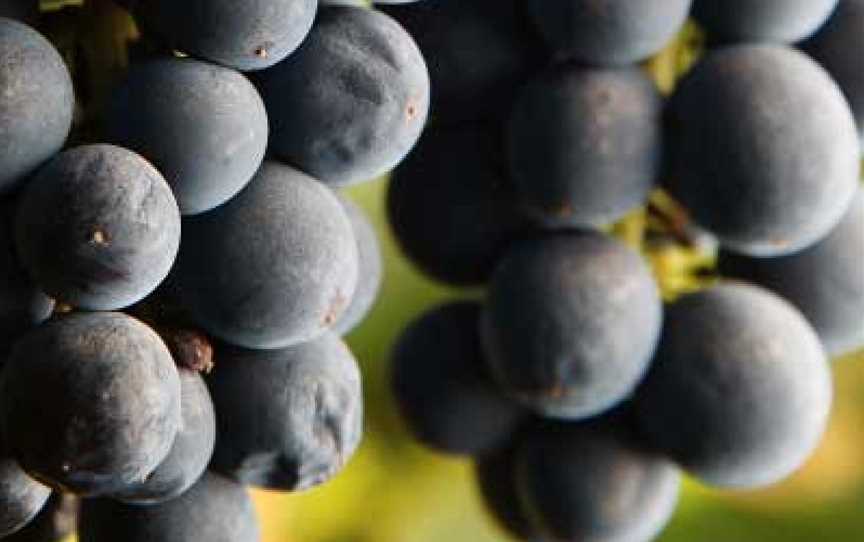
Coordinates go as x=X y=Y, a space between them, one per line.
x=350 y=104
x=451 y=206
x=763 y=149
x=275 y=266
x=98 y=227
x=287 y=419
x=585 y=144
x=477 y=53
x=740 y=390
x=55 y=522
x=203 y=126
x=248 y=35
x=782 y=21
x=213 y=510
x=441 y=385
x=190 y=453
x=595 y=482
x=608 y=32
x=839 y=47
x=37 y=105
x=825 y=281
x=370 y=268
x=21 y=497
x=495 y=473
x=570 y=323
x=90 y=402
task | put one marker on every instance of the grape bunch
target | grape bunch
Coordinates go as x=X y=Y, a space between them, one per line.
x=556 y=173
x=177 y=267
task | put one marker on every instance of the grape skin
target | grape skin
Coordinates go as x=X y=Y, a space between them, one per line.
x=35 y=122
x=825 y=281
x=779 y=21
x=740 y=390
x=215 y=509
x=275 y=266
x=570 y=323
x=763 y=150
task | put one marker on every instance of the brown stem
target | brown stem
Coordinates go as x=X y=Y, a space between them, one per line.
x=191 y=348
x=674 y=221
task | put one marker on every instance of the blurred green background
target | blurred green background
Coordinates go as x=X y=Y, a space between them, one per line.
x=395 y=491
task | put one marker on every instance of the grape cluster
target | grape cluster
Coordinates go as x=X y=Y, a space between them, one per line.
x=177 y=269
x=579 y=385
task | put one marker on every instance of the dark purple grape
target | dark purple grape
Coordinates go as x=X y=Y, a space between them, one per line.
x=608 y=32
x=203 y=126
x=351 y=103
x=214 y=510
x=740 y=390
x=570 y=323
x=288 y=419
x=275 y=266
x=763 y=150
x=839 y=47
x=98 y=227
x=825 y=281
x=90 y=402
x=37 y=105
x=442 y=387
x=247 y=35
x=781 y=21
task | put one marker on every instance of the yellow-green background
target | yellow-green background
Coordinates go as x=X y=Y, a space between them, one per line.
x=395 y=491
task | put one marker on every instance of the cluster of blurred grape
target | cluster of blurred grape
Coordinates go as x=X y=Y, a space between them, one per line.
x=558 y=383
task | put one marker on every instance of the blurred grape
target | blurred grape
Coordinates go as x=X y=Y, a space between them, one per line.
x=396 y=491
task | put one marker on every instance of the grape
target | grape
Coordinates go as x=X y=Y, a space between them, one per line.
x=595 y=482
x=275 y=266
x=248 y=35
x=763 y=149
x=55 y=522
x=825 y=281
x=839 y=47
x=740 y=390
x=585 y=144
x=496 y=477
x=37 y=105
x=608 y=32
x=450 y=204
x=370 y=268
x=21 y=10
x=352 y=102
x=783 y=21
x=90 y=402
x=441 y=385
x=21 y=497
x=190 y=453
x=476 y=51
x=203 y=126
x=98 y=227
x=22 y=304
x=288 y=419
x=213 y=510
x=570 y=323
